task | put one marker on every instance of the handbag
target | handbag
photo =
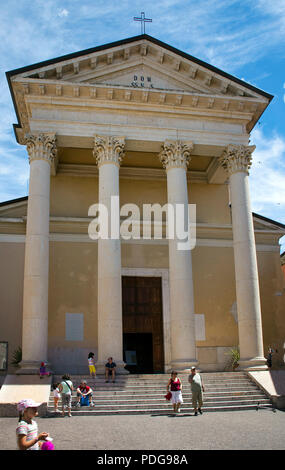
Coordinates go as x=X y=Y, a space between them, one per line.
x=168 y=396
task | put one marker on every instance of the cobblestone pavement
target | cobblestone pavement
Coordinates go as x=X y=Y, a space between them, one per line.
x=238 y=430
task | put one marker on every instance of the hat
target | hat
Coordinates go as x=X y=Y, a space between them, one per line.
x=193 y=367
x=27 y=403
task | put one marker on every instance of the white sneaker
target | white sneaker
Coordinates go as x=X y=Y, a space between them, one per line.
x=77 y=404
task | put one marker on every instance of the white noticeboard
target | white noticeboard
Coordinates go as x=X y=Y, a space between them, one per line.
x=74 y=327
x=200 y=327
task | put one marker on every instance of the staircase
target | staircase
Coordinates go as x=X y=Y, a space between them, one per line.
x=136 y=394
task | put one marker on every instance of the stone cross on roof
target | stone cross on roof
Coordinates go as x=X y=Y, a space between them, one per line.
x=143 y=21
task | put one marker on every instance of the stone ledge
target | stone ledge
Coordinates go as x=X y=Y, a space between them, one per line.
x=272 y=382
x=16 y=388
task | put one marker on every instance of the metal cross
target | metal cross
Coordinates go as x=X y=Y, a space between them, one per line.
x=143 y=21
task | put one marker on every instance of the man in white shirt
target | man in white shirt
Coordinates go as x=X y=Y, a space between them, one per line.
x=197 y=387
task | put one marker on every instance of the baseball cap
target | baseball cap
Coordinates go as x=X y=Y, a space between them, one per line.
x=193 y=367
x=27 y=403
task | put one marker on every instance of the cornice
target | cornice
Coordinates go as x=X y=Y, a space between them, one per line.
x=91 y=171
x=25 y=87
x=76 y=229
x=30 y=93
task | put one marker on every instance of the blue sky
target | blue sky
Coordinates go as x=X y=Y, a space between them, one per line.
x=245 y=38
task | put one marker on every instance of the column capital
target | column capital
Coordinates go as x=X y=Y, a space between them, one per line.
x=41 y=147
x=237 y=158
x=176 y=154
x=108 y=149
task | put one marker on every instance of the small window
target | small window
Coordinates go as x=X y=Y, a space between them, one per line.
x=3 y=355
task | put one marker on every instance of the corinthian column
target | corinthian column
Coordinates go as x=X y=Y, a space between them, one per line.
x=236 y=160
x=108 y=152
x=42 y=151
x=175 y=157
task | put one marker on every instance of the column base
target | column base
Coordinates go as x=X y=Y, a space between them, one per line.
x=256 y=363
x=184 y=366
x=31 y=368
x=120 y=368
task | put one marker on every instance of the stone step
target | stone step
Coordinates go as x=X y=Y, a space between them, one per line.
x=145 y=394
x=159 y=375
x=161 y=400
x=112 y=386
x=162 y=403
x=127 y=396
x=141 y=391
x=153 y=379
x=165 y=380
x=184 y=410
x=162 y=390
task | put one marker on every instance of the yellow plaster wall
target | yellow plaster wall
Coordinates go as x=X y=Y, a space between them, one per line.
x=11 y=295
x=72 y=196
x=272 y=294
x=72 y=289
x=214 y=294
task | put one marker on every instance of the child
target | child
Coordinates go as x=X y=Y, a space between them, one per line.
x=56 y=396
x=27 y=429
x=43 y=370
x=91 y=365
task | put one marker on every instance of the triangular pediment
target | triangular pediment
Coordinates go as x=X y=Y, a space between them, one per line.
x=142 y=75
x=14 y=208
x=155 y=64
x=263 y=223
x=139 y=70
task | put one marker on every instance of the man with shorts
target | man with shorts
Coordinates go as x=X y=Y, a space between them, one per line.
x=82 y=391
x=197 y=387
x=110 y=369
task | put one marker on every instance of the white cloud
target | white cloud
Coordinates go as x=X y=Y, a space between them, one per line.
x=63 y=12
x=267 y=176
x=14 y=172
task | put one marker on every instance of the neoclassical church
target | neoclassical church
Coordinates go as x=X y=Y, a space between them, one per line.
x=143 y=123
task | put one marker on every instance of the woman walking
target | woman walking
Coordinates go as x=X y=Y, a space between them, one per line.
x=66 y=388
x=176 y=389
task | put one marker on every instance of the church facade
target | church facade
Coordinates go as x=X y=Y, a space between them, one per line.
x=139 y=123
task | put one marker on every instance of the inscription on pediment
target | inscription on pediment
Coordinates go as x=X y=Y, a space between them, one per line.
x=142 y=77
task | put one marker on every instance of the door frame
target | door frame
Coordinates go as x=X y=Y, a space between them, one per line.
x=163 y=273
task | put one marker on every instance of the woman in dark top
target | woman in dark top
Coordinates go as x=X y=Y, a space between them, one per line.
x=176 y=389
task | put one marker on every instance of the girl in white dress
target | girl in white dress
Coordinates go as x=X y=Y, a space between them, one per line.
x=56 y=396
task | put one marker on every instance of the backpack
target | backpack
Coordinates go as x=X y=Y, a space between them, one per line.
x=84 y=401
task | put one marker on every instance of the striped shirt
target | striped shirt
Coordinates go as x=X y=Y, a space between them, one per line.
x=30 y=430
